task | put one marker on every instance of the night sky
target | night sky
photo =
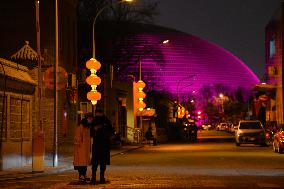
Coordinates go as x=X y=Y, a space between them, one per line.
x=236 y=25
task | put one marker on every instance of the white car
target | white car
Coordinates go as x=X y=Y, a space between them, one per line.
x=221 y=127
x=250 y=132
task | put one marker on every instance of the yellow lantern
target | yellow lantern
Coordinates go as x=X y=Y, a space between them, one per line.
x=93 y=80
x=93 y=64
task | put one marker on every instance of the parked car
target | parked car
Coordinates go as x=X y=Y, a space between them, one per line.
x=221 y=127
x=250 y=132
x=206 y=126
x=278 y=142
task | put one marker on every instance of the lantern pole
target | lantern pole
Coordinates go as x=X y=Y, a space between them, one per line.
x=100 y=11
x=140 y=119
x=140 y=90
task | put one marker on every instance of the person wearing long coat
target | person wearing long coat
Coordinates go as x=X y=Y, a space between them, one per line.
x=82 y=147
x=101 y=133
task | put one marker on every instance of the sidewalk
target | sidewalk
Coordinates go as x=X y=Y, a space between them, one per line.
x=65 y=163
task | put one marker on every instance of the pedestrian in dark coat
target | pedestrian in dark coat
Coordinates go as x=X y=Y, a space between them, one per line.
x=101 y=133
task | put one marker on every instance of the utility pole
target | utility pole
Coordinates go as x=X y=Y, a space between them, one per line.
x=55 y=139
x=38 y=138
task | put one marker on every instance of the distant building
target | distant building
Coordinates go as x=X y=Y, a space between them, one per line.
x=274 y=38
x=183 y=66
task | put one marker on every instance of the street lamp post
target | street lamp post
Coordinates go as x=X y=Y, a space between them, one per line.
x=180 y=89
x=94 y=95
x=38 y=140
x=141 y=85
x=141 y=95
x=179 y=82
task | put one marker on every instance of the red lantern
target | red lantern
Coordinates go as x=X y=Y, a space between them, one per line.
x=141 y=95
x=141 y=105
x=93 y=80
x=141 y=84
x=93 y=64
x=94 y=95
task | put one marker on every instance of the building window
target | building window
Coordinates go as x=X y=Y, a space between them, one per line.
x=272 y=48
x=20 y=128
x=3 y=118
x=272 y=71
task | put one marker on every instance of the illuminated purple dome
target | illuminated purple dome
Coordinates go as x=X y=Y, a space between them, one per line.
x=185 y=55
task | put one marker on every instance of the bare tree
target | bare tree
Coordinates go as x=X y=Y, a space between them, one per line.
x=137 y=12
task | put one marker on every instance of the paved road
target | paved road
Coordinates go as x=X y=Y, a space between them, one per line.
x=213 y=162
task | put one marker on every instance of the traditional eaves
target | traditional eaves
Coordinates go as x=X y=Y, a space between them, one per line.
x=25 y=53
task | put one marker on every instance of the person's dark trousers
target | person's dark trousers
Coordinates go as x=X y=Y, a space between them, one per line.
x=102 y=172
x=82 y=170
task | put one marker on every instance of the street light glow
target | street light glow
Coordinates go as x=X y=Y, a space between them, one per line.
x=221 y=95
x=166 y=41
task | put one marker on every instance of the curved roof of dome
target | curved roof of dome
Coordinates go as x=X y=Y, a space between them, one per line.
x=185 y=56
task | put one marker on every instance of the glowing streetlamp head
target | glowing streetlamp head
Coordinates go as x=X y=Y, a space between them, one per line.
x=221 y=95
x=166 y=41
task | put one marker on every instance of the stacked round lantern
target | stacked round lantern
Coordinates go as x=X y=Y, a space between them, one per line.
x=93 y=65
x=141 y=95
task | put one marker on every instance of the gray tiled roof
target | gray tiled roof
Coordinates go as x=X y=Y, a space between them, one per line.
x=15 y=71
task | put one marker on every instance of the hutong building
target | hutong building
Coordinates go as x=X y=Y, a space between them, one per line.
x=274 y=68
x=18 y=24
